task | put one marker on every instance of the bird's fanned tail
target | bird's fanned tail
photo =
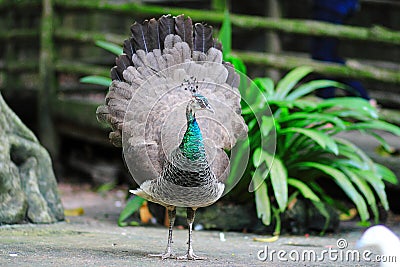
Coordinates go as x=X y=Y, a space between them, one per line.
x=157 y=58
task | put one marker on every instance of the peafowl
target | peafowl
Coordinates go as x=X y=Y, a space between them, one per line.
x=174 y=107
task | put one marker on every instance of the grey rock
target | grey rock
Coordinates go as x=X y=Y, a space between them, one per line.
x=28 y=187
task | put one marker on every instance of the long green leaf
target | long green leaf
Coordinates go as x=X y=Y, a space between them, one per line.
x=288 y=82
x=351 y=158
x=362 y=185
x=263 y=204
x=255 y=98
x=322 y=139
x=301 y=104
x=304 y=189
x=260 y=174
x=278 y=174
x=225 y=34
x=344 y=184
x=267 y=124
x=113 y=48
x=242 y=152
x=311 y=86
x=385 y=145
x=376 y=124
x=361 y=106
x=353 y=149
x=132 y=206
x=266 y=85
x=376 y=183
x=257 y=157
x=386 y=174
x=248 y=110
x=308 y=118
x=351 y=162
x=99 y=80
x=251 y=124
x=348 y=114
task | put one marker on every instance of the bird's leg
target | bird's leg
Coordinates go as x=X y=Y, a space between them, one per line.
x=190 y=254
x=168 y=251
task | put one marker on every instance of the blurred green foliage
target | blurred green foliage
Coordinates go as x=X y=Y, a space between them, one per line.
x=308 y=150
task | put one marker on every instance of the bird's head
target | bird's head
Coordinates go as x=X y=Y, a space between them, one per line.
x=200 y=102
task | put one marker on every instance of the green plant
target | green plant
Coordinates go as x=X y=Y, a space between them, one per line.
x=309 y=151
x=133 y=205
x=307 y=148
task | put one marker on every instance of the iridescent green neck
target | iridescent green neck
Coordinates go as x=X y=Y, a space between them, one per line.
x=192 y=145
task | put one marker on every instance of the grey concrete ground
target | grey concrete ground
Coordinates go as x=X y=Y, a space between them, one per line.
x=94 y=239
x=98 y=244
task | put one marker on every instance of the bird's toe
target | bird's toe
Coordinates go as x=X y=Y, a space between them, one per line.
x=191 y=256
x=163 y=256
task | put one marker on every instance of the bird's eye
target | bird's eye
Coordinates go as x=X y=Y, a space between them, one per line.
x=202 y=103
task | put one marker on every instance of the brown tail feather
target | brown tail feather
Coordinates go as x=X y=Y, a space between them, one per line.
x=140 y=36
x=154 y=41
x=184 y=28
x=166 y=27
x=128 y=48
x=202 y=37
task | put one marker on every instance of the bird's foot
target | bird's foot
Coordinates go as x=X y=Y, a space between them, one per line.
x=163 y=256
x=191 y=256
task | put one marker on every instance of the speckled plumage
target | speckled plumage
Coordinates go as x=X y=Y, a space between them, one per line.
x=187 y=179
x=169 y=73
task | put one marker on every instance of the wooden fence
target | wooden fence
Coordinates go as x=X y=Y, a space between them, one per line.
x=44 y=26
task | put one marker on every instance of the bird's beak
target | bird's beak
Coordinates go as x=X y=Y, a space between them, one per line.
x=209 y=108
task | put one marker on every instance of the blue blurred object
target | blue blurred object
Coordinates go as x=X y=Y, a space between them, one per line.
x=334 y=10
x=326 y=48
